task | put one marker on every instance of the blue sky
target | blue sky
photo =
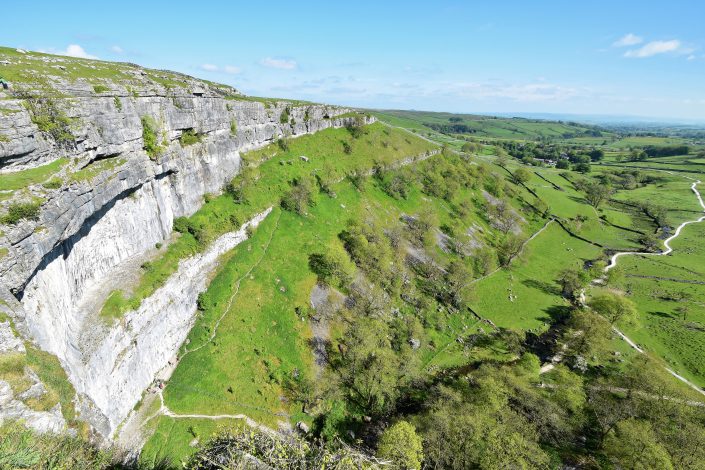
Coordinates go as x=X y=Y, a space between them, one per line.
x=643 y=58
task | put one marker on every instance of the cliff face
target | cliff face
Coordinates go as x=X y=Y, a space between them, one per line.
x=114 y=204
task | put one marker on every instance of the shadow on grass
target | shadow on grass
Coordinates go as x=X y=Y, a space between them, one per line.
x=545 y=287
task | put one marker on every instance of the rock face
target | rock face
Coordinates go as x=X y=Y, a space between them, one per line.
x=89 y=228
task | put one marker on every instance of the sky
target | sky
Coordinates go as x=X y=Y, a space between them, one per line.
x=639 y=58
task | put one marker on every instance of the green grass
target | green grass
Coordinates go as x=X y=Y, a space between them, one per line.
x=276 y=169
x=661 y=329
x=24 y=178
x=261 y=339
x=488 y=126
x=532 y=282
x=93 y=169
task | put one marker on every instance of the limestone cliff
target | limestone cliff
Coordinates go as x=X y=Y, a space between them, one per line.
x=112 y=201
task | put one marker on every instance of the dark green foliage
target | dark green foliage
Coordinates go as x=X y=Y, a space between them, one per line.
x=150 y=137
x=233 y=128
x=666 y=150
x=100 y=88
x=118 y=103
x=326 y=267
x=299 y=197
x=54 y=183
x=284 y=116
x=283 y=144
x=347 y=148
x=189 y=137
x=21 y=210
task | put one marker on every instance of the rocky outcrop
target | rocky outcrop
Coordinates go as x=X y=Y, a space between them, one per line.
x=123 y=203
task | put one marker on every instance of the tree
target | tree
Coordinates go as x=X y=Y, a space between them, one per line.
x=563 y=164
x=300 y=197
x=521 y=175
x=469 y=147
x=596 y=193
x=400 y=444
x=634 y=445
x=509 y=248
x=326 y=267
x=614 y=307
x=502 y=156
x=587 y=335
x=572 y=281
x=596 y=155
x=582 y=167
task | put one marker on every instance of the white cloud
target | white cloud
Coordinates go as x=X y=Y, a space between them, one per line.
x=691 y=57
x=210 y=67
x=117 y=50
x=232 y=70
x=74 y=50
x=628 y=40
x=654 y=48
x=527 y=92
x=285 y=64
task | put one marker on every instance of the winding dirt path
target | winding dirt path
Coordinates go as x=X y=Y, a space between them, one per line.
x=669 y=249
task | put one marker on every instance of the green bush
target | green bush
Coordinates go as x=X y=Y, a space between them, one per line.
x=181 y=224
x=400 y=444
x=54 y=183
x=233 y=128
x=21 y=210
x=284 y=117
x=100 y=88
x=50 y=119
x=150 y=131
x=283 y=144
x=189 y=137
x=118 y=103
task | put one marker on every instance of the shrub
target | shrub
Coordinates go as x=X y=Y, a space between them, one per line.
x=118 y=103
x=347 y=148
x=233 y=128
x=4 y=138
x=283 y=144
x=150 y=129
x=54 y=183
x=241 y=448
x=100 y=88
x=181 y=224
x=189 y=137
x=355 y=127
x=21 y=210
x=300 y=197
x=400 y=444
x=284 y=116
x=50 y=119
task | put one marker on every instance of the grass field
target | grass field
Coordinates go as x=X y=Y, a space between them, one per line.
x=485 y=126
x=24 y=178
x=526 y=295
x=660 y=286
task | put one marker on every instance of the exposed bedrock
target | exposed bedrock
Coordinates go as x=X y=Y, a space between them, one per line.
x=90 y=231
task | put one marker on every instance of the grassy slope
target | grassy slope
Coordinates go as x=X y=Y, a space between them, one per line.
x=484 y=126
x=326 y=157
